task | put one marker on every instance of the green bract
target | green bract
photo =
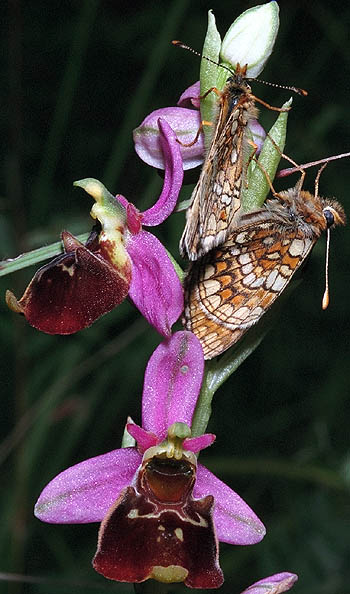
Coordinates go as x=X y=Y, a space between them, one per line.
x=254 y=195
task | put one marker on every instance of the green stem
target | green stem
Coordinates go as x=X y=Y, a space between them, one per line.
x=218 y=370
x=33 y=257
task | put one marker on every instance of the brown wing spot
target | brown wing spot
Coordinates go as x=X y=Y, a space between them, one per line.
x=267 y=300
x=225 y=280
x=238 y=299
x=290 y=261
x=221 y=266
x=226 y=294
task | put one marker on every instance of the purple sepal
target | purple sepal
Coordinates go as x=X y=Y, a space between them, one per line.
x=196 y=444
x=83 y=493
x=184 y=122
x=258 y=134
x=235 y=522
x=190 y=97
x=172 y=382
x=274 y=584
x=155 y=287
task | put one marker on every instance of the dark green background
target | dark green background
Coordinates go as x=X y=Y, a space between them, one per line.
x=79 y=77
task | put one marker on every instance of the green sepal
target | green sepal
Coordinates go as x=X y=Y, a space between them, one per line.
x=127 y=440
x=209 y=73
x=253 y=196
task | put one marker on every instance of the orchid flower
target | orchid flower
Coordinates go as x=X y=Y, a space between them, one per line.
x=118 y=259
x=161 y=512
x=249 y=40
x=185 y=120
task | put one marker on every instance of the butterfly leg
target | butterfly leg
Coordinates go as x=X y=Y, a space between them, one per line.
x=281 y=109
x=284 y=156
x=202 y=124
x=317 y=180
x=262 y=168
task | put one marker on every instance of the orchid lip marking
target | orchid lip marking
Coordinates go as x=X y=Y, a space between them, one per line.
x=134 y=514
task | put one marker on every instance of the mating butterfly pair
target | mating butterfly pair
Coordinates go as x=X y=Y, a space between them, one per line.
x=241 y=262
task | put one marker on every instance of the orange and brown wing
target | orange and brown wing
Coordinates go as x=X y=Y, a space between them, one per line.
x=216 y=197
x=229 y=289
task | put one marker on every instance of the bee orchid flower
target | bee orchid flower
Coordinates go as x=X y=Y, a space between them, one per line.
x=119 y=258
x=161 y=512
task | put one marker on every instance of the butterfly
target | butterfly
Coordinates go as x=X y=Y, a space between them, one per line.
x=230 y=288
x=216 y=197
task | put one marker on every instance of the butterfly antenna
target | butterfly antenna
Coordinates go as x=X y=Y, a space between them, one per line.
x=325 y=299
x=190 y=49
x=287 y=88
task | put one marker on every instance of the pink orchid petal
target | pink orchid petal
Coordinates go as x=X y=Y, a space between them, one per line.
x=258 y=134
x=133 y=219
x=145 y=439
x=172 y=179
x=84 y=492
x=191 y=96
x=155 y=287
x=235 y=522
x=184 y=122
x=196 y=444
x=274 y=584
x=124 y=201
x=133 y=215
x=172 y=382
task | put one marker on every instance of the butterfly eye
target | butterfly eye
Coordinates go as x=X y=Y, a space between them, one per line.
x=329 y=216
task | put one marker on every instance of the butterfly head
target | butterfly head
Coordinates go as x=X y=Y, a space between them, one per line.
x=334 y=213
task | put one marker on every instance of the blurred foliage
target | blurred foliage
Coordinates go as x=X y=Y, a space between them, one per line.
x=79 y=77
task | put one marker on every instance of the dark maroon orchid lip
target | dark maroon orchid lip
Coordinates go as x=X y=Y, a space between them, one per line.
x=157 y=529
x=72 y=291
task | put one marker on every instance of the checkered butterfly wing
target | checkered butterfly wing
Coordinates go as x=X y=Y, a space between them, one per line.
x=229 y=289
x=216 y=197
